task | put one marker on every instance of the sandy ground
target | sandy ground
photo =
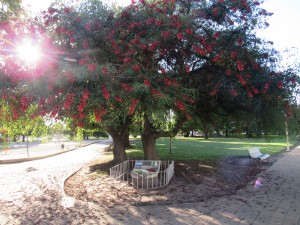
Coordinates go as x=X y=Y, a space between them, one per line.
x=193 y=181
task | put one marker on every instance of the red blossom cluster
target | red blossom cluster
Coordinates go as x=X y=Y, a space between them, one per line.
x=118 y=98
x=156 y=94
x=241 y=79
x=105 y=92
x=214 y=91
x=136 y=67
x=25 y=101
x=126 y=87
x=82 y=103
x=104 y=70
x=69 y=100
x=147 y=82
x=92 y=67
x=99 y=113
x=132 y=107
x=249 y=92
x=234 y=92
x=266 y=87
x=280 y=85
x=15 y=114
x=179 y=105
x=254 y=90
x=240 y=65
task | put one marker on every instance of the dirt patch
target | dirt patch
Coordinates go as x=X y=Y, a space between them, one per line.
x=193 y=181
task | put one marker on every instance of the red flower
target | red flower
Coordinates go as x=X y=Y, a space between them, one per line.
x=199 y=50
x=85 y=44
x=280 y=85
x=156 y=94
x=179 y=105
x=242 y=80
x=228 y=72
x=167 y=81
x=240 y=41
x=82 y=61
x=216 y=58
x=213 y=92
x=233 y=54
x=216 y=35
x=99 y=113
x=72 y=40
x=69 y=100
x=187 y=69
x=104 y=70
x=240 y=65
x=250 y=94
x=105 y=92
x=150 y=21
x=136 y=67
x=127 y=88
x=189 y=31
x=176 y=25
x=166 y=34
x=127 y=60
x=118 y=98
x=254 y=90
x=180 y=36
x=77 y=19
x=215 y=11
x=87 y=27
x=92 y=67
x=132 y=107
x=153 y=45
x=70 y=33
x=159 y=22
x=143 y=46
x=234 y=93
x=147 y=83
x=162 y=70
x=67 y=10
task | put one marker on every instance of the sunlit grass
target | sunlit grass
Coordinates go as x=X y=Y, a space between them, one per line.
x=198 y=148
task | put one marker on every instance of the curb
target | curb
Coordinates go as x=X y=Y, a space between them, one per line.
x=20 y=160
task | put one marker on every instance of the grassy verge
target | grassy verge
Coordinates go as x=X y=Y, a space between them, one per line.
x=198 y=148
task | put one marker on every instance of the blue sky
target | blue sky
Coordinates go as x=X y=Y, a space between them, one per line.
x=284 y=23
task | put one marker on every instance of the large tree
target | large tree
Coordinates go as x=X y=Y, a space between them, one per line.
x=191 y=57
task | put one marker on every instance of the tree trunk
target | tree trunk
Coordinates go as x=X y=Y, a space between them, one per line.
x=148 y=141
x=206 y=135
x=23 y=138
x=149 y=137
x=126 y=139
x=118 y=144
x=226 y=133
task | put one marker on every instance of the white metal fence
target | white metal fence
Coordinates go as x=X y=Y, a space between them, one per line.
x=121 y=172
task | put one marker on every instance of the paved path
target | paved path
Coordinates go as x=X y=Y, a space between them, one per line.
x=20 y=152
x=32 y=194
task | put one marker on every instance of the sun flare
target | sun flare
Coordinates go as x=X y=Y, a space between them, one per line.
x=28 y=52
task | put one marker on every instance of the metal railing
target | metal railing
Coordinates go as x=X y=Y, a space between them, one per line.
x=121 y=172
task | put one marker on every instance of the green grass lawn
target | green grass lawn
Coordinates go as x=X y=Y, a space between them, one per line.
x=213 y=148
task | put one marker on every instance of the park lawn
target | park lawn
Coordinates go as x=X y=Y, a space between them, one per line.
x=213 y=148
